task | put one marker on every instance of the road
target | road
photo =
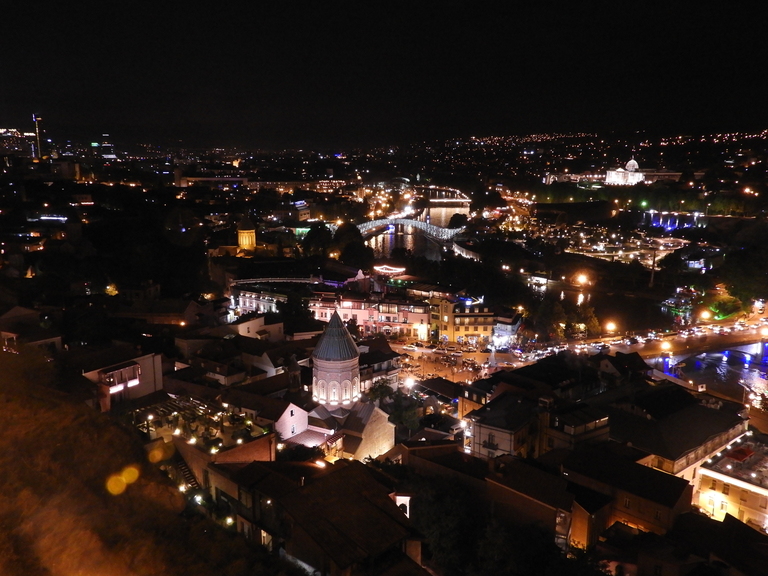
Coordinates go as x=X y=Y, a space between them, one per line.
x=676 y=347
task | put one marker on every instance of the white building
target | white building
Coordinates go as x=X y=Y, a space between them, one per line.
x=407 y=318
x=336 y=370
x=627 y=176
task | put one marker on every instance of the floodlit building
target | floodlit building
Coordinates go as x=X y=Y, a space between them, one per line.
x=735 y=481
x=336 y=360
x=404 y=317
x=627 y=176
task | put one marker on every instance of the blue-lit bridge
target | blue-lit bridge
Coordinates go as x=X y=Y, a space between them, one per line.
x=429 y=229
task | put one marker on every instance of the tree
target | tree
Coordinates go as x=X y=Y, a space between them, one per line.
x=449 y=519
x=745 y=273
x=550 y=319
x=294 y=309
x=458 y=220
x=380 y=391
x=353 y=328
x=358 y=255
x=404 y=411
x=318 y=240
x=346 y=233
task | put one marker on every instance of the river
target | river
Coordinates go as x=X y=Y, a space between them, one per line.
x=412 y=238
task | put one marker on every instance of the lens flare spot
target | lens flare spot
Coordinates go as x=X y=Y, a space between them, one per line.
x=156 y=455
x=116 y=485
x=130 y=474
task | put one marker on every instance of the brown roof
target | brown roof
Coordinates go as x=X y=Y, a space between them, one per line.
x=264 y=406
x=348 y=514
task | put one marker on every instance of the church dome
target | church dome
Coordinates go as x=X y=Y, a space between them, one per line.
x=336 y=343
x=245 y=224
x=632 y=166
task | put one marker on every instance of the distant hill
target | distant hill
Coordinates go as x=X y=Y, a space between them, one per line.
x=57 y=517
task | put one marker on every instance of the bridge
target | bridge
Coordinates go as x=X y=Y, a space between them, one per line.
x=443 y=195
x=429 y=229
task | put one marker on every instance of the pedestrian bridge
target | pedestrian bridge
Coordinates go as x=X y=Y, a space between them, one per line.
x=429 y=229
x=442 y=194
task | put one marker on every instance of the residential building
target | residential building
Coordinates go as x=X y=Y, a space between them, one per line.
x=642 y=497
x=505 y=425
x=734 y=482
x=467 y=321
x=329 y=519
x=679 y=429
x=376 y=313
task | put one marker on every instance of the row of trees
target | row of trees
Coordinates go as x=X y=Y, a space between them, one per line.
x=347 y=242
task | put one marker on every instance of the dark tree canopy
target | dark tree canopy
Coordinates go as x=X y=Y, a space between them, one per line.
x=318 y=240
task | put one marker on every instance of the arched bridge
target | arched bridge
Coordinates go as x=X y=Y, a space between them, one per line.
x=442 y=194
x=430 y=229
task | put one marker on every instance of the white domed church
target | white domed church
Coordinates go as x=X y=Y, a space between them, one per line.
x=365 y=428
x=336 y=366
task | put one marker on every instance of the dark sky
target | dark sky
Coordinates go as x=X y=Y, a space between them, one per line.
x=338 y=74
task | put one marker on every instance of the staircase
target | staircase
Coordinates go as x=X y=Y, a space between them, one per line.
x=186 y=473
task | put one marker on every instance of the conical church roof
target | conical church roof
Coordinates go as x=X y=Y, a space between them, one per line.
x=245 y=224
x=336 y=342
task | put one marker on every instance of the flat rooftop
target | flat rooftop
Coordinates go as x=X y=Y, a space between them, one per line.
x=746 y=459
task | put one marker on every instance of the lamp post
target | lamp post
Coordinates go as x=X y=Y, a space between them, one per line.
x=665 y=350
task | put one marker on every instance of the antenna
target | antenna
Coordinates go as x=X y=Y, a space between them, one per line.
x=36 y=119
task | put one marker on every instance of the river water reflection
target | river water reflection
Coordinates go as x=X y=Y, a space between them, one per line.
x=630 y=314
x=413 y=239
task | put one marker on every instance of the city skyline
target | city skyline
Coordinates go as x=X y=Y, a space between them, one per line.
x=344 y=74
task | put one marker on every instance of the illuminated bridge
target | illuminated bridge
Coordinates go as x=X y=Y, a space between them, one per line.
x=443 y=195
x=429 y=229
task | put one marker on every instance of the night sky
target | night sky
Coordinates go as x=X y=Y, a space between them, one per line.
x=341 y=74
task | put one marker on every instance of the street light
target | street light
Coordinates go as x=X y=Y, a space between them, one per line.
x=705 y=315
x=610 y=327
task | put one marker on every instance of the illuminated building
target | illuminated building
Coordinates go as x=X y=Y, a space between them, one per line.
x=465 y=321
x=409 y=318
x=627 y=176
x=246 y=235
x=336 y=366
x=735 y=481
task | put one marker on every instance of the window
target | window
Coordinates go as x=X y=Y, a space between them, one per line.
x=245 y=498
x=724 y=505
x=726 y=489
x=627 y=502
x=657 y=514
x=713 y=484
x=291 y=413
x=743 y=497
x=293 y=428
